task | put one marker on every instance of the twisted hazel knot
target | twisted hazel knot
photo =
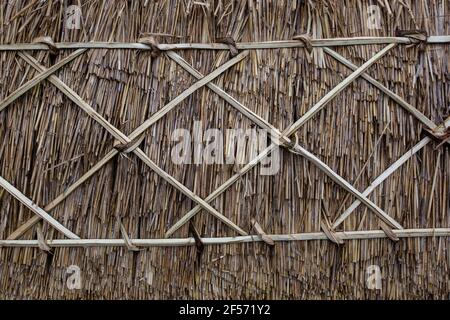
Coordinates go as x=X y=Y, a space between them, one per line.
x=417 y=37
x=442 y=133
x=289 y=143
x=48 y=41
x=128 y=147
x=307 y=41
x=153 y=44
x=231 y=44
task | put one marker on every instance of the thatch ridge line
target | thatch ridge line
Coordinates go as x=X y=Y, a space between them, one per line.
x=278 y=44
x=344 y=235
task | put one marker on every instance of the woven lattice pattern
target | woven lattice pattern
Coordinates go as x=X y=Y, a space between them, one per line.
x=362 y=124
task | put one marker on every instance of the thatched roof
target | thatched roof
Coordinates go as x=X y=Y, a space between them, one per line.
x=48 y=142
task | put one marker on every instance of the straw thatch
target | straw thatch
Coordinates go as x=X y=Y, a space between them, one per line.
x=48 y=142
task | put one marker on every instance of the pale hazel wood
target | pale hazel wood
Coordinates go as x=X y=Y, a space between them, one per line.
x=228 y=98
x=125 y=140
x=20 y=231
x=39 y=78
x=347 y=186
x=41 y=239
x=126 y=238
x=440 y=39
x=388 y=231
x=74 y=97
x=187 y=192
x=291 y=130
x=316 y=108
x=221 y=189
x=220 y=46
x=36 y=209
x=419 y=115
x=331 y=235
x=348 y=235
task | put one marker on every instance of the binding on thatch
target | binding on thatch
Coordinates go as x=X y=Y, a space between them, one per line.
x=390 y=225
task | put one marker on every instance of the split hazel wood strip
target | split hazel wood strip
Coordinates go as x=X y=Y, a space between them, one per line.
x=36 y=209
x=361 y=171
x=391 y=235
x=72 y=95
x=187 y=192
x=221 y=189
x=279 y=44
x=347 y=186
x=347 y=235
x=232 y=101
x=41 y=239
x=158 y=115
x=124 y=139
x=288 y=132
x=126 y=238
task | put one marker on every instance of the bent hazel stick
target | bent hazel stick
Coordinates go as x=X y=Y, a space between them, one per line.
x=348 y=235
x=397 y=164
